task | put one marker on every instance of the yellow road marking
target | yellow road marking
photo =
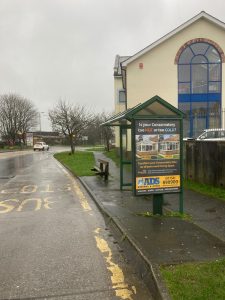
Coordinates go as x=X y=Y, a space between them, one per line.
x=81 y=196
x=38 y=203
x=97 y=230
x=118 y=281
x=76 y=188
x=9 y=191
x=47 y=202
x=28 y=189
x=67 y=187
x=7 y=207
x=48 y=189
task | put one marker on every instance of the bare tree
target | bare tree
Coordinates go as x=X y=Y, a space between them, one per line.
x=17 y=116
x=94 y=131
x=107 y=132
x=100 y=134
x=70 y=120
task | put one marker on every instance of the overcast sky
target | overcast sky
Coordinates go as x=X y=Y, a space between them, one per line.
x=65 y=49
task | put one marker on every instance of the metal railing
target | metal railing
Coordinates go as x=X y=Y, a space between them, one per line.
x=196 y=122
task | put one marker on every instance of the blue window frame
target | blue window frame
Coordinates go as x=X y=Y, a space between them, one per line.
x=199 y=87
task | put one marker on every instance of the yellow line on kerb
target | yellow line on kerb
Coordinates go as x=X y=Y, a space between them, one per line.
x=80 y=194
x=118 y=281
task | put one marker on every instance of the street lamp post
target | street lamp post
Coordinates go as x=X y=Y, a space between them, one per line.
x=40 y=112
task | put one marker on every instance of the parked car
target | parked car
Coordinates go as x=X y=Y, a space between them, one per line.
x=41 y=146
x=215 y=134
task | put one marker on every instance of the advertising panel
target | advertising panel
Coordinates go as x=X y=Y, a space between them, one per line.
x=157 y=156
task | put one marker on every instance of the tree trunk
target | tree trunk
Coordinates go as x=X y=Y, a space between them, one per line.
x=71 y=144
x=107 y=145
x=24 y=139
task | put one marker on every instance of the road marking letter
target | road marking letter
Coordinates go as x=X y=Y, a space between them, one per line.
x=7 y=206
x=29 y=189
x=38 y=203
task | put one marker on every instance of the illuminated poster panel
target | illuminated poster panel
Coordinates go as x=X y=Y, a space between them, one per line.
x=157 y=156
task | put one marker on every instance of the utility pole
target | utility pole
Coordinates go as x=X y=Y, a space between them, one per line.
x=40 y=112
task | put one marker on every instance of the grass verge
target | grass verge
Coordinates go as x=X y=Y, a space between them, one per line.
x=113 y=155
x=100 y=149
x=79 y=163
x=205 y=189
x=199 y=281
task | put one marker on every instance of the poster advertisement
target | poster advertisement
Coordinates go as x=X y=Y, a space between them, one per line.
x=157 y=156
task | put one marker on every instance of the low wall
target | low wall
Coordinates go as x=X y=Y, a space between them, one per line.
x=204 y=162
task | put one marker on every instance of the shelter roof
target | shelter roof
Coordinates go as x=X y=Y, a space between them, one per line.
x=155 y=107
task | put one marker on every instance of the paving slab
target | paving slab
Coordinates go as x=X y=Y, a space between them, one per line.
x=206 y=212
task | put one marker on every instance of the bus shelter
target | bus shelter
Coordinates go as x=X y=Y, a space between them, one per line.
x=153 y=133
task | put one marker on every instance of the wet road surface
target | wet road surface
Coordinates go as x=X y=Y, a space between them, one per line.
x=53 y=240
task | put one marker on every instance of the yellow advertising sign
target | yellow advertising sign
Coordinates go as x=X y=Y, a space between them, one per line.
x=168 y=156
x=158 y=182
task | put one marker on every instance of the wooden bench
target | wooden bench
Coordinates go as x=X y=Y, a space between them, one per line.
x=103 y=169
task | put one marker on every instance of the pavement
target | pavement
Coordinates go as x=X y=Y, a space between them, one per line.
x=153 y=241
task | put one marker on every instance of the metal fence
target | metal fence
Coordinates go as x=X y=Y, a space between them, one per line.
x=195 y=123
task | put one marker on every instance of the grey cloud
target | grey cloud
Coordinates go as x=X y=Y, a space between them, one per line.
x=53 y=49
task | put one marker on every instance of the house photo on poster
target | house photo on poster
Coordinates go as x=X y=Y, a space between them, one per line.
x=157 y=155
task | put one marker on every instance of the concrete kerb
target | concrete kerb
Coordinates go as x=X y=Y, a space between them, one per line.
x=149 y=272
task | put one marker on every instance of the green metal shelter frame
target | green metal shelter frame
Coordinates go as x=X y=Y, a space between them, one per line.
x=153 y=109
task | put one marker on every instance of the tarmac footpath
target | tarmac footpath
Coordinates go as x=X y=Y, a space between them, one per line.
x=149 y=242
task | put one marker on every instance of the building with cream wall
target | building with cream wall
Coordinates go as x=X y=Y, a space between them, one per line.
x=154 y=71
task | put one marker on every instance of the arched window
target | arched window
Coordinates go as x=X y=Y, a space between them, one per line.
x=199 y=87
